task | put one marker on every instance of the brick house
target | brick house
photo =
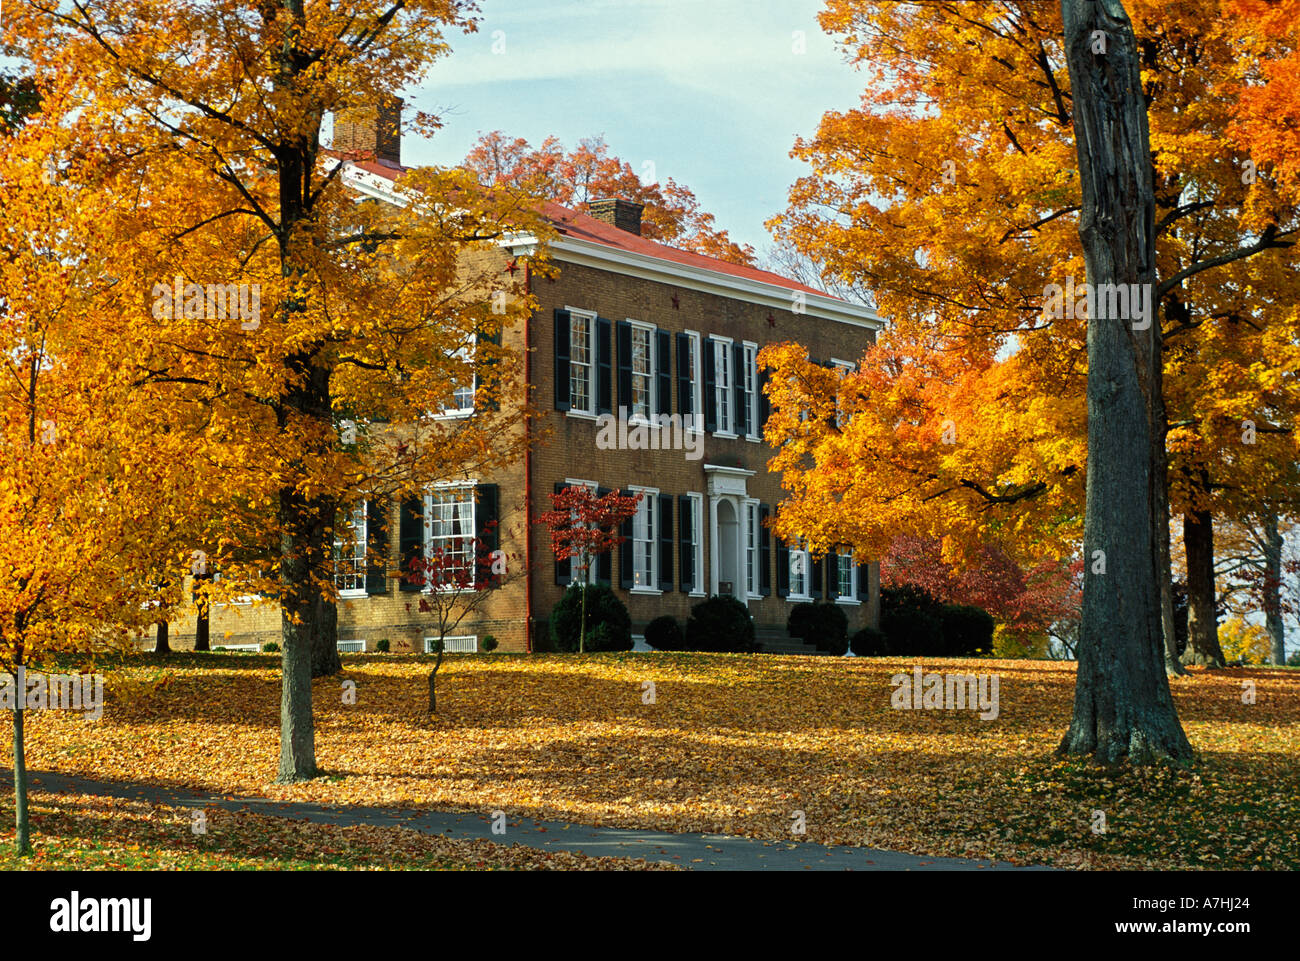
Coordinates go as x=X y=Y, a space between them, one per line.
x=664 y=341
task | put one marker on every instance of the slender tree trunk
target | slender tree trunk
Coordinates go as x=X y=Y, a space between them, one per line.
x=303 y=525
x=163 y=644
x=1272 y=540
x=22 y=825
x=433 y=678
x=203 y=621
x=1202 y=622
x=582 y=620
x=1160 y=508
x=1122 y=705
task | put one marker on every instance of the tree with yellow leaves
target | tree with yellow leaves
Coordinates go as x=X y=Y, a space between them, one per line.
x=311 y=346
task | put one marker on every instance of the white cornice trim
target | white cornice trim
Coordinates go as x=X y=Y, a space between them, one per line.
x=647 y=267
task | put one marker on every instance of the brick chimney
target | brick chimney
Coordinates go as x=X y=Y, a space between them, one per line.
x=371 y=127
x=617 y=212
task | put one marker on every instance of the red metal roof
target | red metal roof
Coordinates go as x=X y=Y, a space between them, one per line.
x=581 y=226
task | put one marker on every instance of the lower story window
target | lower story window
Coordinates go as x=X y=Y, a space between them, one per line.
x=847 y=576
x=449 y=541
x=645 y=534
x=751 y=549
x=798 y=573
x=350 y=553
x=460 y=644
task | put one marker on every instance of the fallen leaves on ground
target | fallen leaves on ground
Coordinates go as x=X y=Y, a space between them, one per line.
x=732 y=744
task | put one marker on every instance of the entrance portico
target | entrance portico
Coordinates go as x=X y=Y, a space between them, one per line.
x=726 y=490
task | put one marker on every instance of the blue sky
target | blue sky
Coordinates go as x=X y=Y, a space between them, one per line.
x=710 y=92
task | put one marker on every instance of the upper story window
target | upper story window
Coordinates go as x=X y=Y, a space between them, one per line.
x=749 y=385
x=643 y=371
x=847 y=586
x=722 y=385
x=582 y=362
x=844 y=367
x=690 y=384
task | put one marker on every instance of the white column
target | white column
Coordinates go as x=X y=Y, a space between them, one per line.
x=712 y=552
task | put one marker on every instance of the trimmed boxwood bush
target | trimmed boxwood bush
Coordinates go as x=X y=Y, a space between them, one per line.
x=489 y=643
x=911 y=621
x=869 y=642
x=665 y=634
x=825 y=626
x=967 y=631
x=382 y=645
x=608 y=626
x=720 y=624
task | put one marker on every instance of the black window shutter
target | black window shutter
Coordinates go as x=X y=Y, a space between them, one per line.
x=491 y=374
x=665 y=542
x=564 y=566
x=625 y=578
x=816 y=565
x=832 y=576
x=410 y=540
x=623 y=332
x=685 y=396
x=764 y=405
x=376 y=546
x=738 y=389
x=487 y=517
x=765 y=552
x=561 y=359
x=710 y=394
x=864 y=582
x=664 y=372
x=604 y=560
x=782 y=568
x=604 y=366
x=686 y=541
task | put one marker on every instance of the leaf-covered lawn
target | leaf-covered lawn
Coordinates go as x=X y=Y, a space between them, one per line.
x=86 y=833
x=731 y=744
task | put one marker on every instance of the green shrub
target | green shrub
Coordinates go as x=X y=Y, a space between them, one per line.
x=489 y=643
x=801 y=620
x=911 y=621
x=270 y=647
x=665 y=634
x=382 y=645
x=869 y=642
x=608 y=626
x=825 y=626
x=1293 y=660
x=720 y=624
x=967 y=631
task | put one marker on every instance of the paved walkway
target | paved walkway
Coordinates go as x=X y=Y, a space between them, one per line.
x=700 y=852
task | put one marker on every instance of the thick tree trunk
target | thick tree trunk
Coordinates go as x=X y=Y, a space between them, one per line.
x=163 y=644
x=325 y=660
x=22 y=825
x=1272 y=540
x=1202 y=622
x=1122 y=705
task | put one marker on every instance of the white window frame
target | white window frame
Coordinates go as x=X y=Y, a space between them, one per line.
x=696 y=359
x=697 y=532
x=750 y=354
x=353 y=541
x=651 y=375
x=349 y=649
x=753 y=550
x=241 y=648
x=592 y=365
x=573 y=566
x=649 y=508
x=848 y=367
x=467 y=644
x=723 y=395
x=804 y=593
x=852 y=596
x=441 y=488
